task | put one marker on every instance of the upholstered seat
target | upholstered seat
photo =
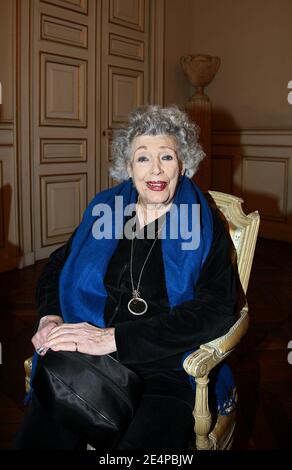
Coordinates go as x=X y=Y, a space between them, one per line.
x=243 y=230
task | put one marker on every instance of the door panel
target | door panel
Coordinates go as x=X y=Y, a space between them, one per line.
x=66 y=32
x=122 y=46
x=128 y=13
x=63 y=98
x=81 y=6
x=63 y=91
x=63 y=198
x=126 y=91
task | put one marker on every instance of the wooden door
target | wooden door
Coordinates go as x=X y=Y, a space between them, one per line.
x=63 y=117
x=71 y=94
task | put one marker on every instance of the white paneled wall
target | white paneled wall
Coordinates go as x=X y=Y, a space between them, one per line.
x=257 y=165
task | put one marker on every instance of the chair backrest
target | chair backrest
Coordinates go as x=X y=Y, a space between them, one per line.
x=243 y=230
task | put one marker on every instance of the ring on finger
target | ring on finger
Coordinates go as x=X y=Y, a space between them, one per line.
x=40 y=350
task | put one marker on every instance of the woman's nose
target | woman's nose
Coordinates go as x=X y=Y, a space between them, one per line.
x=156 y=167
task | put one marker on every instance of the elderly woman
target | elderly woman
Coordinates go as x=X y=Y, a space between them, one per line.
x=148 y=299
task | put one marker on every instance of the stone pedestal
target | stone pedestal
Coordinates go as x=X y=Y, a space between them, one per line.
x=199 y=110
x=200 y=70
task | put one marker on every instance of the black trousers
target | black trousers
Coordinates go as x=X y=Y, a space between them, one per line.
x=160 y=423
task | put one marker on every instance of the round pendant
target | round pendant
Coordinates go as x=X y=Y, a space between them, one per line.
x=137 y=306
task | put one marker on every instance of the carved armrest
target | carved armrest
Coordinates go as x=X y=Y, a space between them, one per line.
x=199 y=364
x=202 y=361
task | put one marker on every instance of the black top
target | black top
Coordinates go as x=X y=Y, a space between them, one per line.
x=153 y=344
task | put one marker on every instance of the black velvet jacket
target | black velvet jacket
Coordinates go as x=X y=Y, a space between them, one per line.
x=155 y=342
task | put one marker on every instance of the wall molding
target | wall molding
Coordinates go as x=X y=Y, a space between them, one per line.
x=256 y=164
x=6 y=137
x=271 y=137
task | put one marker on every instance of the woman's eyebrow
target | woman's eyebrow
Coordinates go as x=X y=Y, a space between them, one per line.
x=144 y=147
x=166 y=147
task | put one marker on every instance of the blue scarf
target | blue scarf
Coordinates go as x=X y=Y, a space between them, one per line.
x=82 y=292
x=87 y=264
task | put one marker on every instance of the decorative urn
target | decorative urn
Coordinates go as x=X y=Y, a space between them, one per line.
x=200 y=69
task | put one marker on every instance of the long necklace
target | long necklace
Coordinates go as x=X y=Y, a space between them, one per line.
x=137 y=305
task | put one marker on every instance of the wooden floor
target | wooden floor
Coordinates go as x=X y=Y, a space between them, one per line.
x=260 y=363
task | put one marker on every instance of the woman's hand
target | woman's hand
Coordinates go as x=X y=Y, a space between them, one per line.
x=82 y=337
x=46 y=325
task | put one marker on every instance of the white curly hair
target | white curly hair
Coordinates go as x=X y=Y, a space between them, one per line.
x=155 y=120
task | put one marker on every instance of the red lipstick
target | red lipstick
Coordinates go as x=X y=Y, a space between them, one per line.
x=156 y=185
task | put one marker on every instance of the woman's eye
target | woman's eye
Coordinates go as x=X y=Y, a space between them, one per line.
x=167 y=157
x=142 y=158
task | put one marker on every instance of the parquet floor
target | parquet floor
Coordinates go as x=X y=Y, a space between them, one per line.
x=260 y=363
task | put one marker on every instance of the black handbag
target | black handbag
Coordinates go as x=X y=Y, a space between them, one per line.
x=93 y=396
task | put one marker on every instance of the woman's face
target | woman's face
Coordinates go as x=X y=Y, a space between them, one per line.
x=155 y=168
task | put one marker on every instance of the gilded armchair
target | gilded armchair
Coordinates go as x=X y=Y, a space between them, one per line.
x=243 y=230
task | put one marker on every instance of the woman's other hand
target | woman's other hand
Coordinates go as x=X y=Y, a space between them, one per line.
x=82 y=337
x=46 y=325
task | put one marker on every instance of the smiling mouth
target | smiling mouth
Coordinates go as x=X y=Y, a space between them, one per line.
x=156 y=185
